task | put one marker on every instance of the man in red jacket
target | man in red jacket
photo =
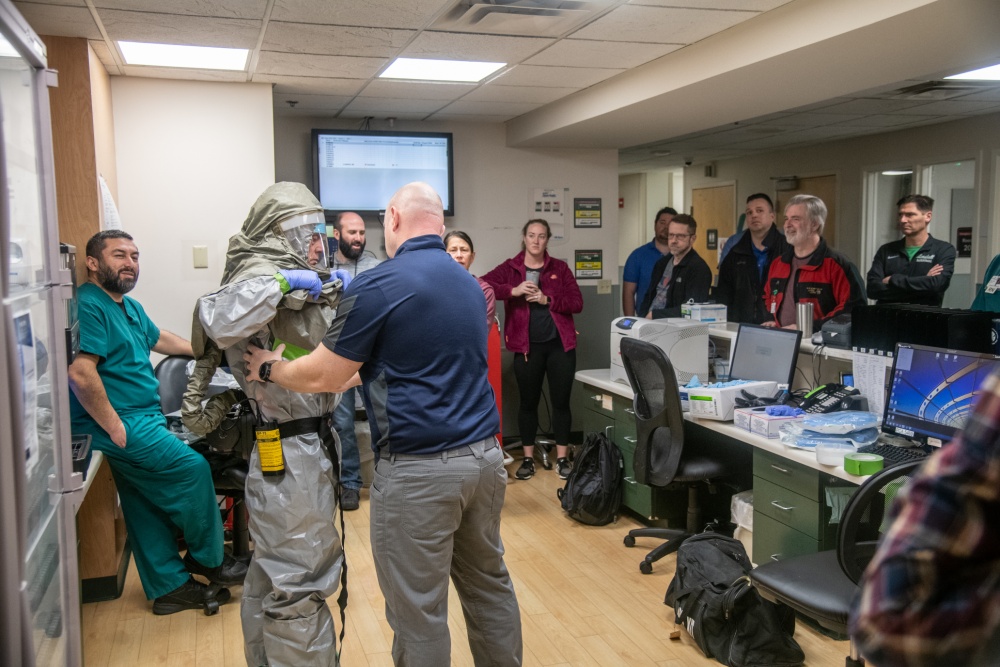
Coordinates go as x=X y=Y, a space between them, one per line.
x=810 y=271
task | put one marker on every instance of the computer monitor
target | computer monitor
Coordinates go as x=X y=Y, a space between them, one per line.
x=765 y=353
x=932 y=391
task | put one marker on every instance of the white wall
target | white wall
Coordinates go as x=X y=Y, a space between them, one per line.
x=492 y=186
x=976 y=138
x=192 y=159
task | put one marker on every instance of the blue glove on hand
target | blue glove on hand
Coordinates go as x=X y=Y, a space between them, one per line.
x=303 y=279
x=345 y=278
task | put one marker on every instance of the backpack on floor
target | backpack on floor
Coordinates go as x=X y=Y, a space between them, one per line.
x=593 y=491
x=728 y=619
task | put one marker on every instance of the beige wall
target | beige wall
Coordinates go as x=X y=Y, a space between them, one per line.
x=492 y=186
x=191 y=157
x=976 y=138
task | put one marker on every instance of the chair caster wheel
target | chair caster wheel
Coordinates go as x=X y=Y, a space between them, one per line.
x=211 y=607
x=629 y=541
x=646 y=567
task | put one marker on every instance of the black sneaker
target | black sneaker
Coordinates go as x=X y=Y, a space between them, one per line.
x=527 y=469
x=350 y=499
x=564 y=467
x=191 y=595
x=229 y=573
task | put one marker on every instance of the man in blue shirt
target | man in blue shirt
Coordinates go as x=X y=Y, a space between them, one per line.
x=639 y=265
x=413 y=331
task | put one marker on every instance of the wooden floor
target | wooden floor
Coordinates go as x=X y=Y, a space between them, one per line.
x=583 y=603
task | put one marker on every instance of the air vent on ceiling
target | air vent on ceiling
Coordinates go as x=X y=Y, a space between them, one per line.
x=534 y=18
x=941 y=90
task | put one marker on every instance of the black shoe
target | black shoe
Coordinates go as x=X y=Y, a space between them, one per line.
x=564 y=467
x=229 y=573
x=191 y=595
x=350 y=499
x=527 y=469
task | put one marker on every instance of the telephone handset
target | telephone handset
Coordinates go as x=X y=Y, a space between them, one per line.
x=831 y=398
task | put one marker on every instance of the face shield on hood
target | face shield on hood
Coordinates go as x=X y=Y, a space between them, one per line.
x=306 y=234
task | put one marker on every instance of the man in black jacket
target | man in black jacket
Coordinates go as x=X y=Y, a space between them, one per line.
x=678 y=277
x=742 y=273
x=917 y=268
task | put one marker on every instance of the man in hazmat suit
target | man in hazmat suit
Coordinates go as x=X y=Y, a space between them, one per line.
x=277 y=291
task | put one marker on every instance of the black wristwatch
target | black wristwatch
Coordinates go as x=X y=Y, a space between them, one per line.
x=264 y=372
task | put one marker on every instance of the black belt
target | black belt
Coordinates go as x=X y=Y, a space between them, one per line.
x=300 y=426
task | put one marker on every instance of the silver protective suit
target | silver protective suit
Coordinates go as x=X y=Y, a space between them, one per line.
x=298 y=554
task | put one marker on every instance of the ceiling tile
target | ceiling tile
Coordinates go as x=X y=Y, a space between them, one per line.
x=873 y=106
x=659 y=25
x=174 y=29
x=819 y=105
x=367 y=113
x=561 y=77
x=60 y=21
x=459 y=118
x=305 y=101
x=184 y=73
x=963 y=106
x=385 y=13
x=810 y=119
x=392 y=106
x=422 y=90
x=984 y=96
x=104 y=55
x=592 y=53
x=489 y=108
x=311 y=85
x=334 y=40
x=459 y=46
x=746 y=5
x=231 y=9
x=493 y=92
x=297 y=64
x=879 y=120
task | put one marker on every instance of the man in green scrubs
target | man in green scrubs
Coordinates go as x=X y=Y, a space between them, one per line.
x=165 y=487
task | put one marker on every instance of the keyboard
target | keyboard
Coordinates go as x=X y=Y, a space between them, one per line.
x=894 y=455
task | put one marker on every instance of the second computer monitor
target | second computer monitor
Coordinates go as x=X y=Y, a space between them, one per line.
x=765 y=353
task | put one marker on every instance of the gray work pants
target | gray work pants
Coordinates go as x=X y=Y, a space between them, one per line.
x=438 y=516
x=296 y=561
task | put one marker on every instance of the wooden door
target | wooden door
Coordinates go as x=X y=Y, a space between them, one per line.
x=713 y=209
x=824 y=187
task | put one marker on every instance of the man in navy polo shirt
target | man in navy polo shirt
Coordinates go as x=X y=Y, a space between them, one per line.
x=413 y=331
x=639 y=265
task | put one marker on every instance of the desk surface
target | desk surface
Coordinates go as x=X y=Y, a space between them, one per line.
x=601 y=379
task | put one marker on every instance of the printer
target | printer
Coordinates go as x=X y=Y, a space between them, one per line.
x=684 y=341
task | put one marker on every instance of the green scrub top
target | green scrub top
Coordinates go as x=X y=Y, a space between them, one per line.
x=988 y=297
x=122 y=339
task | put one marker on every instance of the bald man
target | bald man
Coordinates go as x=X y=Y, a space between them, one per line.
x=413 y=331
x=348 y=254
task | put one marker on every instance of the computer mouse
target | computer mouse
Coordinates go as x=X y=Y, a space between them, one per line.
x=817 y=338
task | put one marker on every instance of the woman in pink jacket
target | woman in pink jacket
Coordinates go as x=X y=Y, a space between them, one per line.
x=540 y=296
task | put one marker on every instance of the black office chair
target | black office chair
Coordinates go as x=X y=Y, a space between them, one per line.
x=661 y=456
x=229 y=472
x=822 y=585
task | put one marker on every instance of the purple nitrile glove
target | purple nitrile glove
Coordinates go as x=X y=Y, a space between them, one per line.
x=345 y=278
x=303 y=279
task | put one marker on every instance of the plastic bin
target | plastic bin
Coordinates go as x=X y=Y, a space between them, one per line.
x=741 y=509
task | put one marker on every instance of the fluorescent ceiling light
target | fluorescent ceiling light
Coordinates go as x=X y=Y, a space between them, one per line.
x=7 y=50
x=439 y=70
x=991 y=73
x=897 y=172
x=177 y=55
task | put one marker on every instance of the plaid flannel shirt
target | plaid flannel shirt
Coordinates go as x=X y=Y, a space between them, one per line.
x=931 y=595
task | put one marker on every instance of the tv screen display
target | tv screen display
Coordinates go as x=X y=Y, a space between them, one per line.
x=360 y=170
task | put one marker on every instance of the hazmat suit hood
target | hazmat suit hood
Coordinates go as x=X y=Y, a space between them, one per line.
x=261 y=249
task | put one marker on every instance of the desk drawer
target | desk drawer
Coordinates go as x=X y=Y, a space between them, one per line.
x=773 y=540
x=791 y=509
x=787 y=474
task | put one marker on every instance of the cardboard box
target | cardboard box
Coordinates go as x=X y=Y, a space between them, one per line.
x=718 y=403
x=707 y=312
x=741 y=417
x=763 y=424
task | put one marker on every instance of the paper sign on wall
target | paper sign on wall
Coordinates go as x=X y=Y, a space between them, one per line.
x=549 y=204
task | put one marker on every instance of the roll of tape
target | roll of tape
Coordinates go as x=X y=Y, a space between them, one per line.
x=862 y=464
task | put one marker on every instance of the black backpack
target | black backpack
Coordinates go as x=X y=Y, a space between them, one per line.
x=712 y=597
x=593 y=491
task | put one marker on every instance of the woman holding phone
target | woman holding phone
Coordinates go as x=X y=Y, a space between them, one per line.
x=540 y=296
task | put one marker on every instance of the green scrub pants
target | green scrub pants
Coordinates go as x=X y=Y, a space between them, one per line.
x=165 y=488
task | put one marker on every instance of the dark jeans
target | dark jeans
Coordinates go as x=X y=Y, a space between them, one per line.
x=545 y=359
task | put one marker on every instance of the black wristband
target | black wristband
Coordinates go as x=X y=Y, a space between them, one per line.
x=264 y=372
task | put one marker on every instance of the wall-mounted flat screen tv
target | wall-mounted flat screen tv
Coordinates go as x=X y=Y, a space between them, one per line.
x=360 y=170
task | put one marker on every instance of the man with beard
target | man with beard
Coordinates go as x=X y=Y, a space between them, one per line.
x=349 y=231
x=163 y=484
x=809 y=271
